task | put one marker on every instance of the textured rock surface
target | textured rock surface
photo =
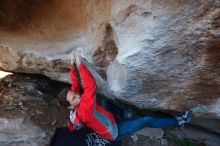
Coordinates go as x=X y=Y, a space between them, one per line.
x=165 y=53
x=156 y=133
x=201 y=136
x=29 y=110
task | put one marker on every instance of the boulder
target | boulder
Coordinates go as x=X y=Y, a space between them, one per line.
x=152 y=54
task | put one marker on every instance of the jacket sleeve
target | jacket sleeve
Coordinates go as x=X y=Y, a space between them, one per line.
x=88 y=100
x=88 y=82
x=75 y=82
x=74 y=123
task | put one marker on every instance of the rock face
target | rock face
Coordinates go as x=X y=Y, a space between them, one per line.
x=29 y=110
x=153 y=54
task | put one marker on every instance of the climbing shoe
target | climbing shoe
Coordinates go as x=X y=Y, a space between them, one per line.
x=184 y=117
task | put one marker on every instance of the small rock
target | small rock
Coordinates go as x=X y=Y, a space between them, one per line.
x=28 y=78
x=134 y=137
x=20 y=103
x=164 y=141
x=8 y=80
x=25 y=108
x=54 y=122
x=39 y=92
x=38 y=112
x=9 y=85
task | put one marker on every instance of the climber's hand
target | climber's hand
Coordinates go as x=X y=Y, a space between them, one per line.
x=72 y=57
x=78 y=58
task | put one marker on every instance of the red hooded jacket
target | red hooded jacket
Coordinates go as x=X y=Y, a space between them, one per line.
x=88 y=113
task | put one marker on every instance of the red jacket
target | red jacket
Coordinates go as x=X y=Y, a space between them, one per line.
x=88 y=113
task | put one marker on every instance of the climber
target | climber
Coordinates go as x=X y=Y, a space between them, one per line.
x=86 y=112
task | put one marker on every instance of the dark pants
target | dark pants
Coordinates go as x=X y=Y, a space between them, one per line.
x=131 y=125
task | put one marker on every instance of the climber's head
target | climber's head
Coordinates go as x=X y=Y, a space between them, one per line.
x=69 y=98
x=73 y=98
